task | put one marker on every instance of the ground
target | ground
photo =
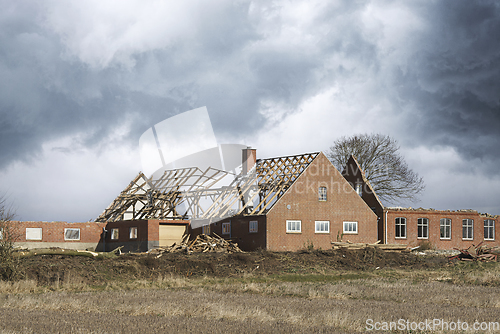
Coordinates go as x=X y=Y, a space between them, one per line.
x=257 y=292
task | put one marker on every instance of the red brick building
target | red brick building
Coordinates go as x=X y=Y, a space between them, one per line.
x=280 y=204
x=442 y=229
x=317 y=207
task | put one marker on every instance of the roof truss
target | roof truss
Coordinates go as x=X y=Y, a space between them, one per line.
x=209 y=195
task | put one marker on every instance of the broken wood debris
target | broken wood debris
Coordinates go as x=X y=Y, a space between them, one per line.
x=477 y=253
x=361 y=245
x=201 y=244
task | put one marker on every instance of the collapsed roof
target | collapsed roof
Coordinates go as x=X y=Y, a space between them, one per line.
x=209 y=195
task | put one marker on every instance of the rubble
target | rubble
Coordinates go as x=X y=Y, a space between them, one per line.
x=361 y=245
x=477 y=253
x=201 y=244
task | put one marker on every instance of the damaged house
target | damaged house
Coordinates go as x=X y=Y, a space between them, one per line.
x=280 y=204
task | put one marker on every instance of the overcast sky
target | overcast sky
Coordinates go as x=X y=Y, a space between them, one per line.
x=80 y=81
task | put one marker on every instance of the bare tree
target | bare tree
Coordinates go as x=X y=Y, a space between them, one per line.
x=385 y=169
x=8 y=236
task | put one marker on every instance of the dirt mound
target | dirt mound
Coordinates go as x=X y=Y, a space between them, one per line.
x=50 y=269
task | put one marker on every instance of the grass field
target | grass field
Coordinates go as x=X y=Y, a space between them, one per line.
x=306 y=293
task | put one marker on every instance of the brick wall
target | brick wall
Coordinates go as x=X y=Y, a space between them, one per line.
x=240 y=231
x=434 y=234
x=53 y=234
x=301 y=202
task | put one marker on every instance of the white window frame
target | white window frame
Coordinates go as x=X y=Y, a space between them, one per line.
x=322 y=226
x=350 y=227
x=423 y=226
x=133 y=232
x=293 y=226
x=114 y=233
x=468 y=223
x=253 y=226
x=66 y=230
x=226 y=228
x=444 y=224
x=402 y=224
x=32 y=230
x=491 y=228
x=322 y=194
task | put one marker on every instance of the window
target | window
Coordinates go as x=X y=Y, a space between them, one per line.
x=205 y=229
x=423 y=228
x=253 y=226
x=34 y=233
x=489 y=229
x=226 y=228
x=1 y=233
x=322 y=193
x=445 y=226
x=71 y=234
x=351 y=227
x=359 y=189
x=322 y=226
x=132 y=233
x=293 y=226
x=114 y=234
x=467 y=229
x=400 y=228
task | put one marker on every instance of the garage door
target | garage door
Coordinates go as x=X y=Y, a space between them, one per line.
x=170 y=234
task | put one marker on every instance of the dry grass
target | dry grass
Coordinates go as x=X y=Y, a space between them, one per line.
x=341 y=301
x=344 y=305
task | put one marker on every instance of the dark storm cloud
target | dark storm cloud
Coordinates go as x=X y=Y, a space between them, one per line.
x=243 y=60
x=453 y=79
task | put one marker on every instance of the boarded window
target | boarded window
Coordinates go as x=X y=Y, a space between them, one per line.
x=33 y=233
x=226 y=228
x=114 y=234
x=133 y=233
x=445 y=226
x=293 y=226
x=400 y=227
x=350 y=227
x=253 y=226
x=71 y=234
x=322 y=226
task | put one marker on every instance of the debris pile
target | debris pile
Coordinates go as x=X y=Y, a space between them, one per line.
x=201 y=244
x=477 y=253
x=360 y=245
